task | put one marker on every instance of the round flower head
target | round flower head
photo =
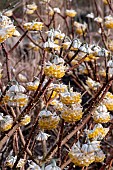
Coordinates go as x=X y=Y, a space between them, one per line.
x=60 y=88
x=109 y=95
x=80 y=157
x=48 y=120
x=98 y=19
x=72 y=113
x=18 y=100
x=91 y=15
x=36 y=26
x=6 y=33
x=109 y=22
x=101 y=115
x=10 y=161
x=71 y=13
x=109 y=104
x=93 y=85
x=80 y=28
x=6 y=122
x=32 y=6
x=85 y=154
x=108 y=101
x=32 y=85
x=42 y=136
x=98 y=132
x=70 y=97
x=55 y=68
x=4 y=21
x=25 y=120
x=17 y=89
x=94 y=147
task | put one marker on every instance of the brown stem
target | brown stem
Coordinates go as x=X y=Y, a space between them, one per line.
x=60 y=141
x=6 y=54
x=18 y=42
x=76 y=65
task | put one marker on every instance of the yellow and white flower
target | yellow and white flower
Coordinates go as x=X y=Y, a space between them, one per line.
x=70 y=97
x=55 y=68
x=25 y=120
x=101 y=115
x=71 y=13
x=72 y=113
x=12 y=159
x=98 y=132
x=85 y=154
x=98 y=19
x=93 y=85
x=32 y=6
x=6 y=122
x=109 y=22
x=32 y=85
x=42 y=136
x=108 y=101
x=48 y=120
x=36 y=26
x=80 y=28
x=17 y=89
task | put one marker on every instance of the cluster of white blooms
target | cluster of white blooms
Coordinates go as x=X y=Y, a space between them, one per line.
x=7 y=29
x=12 y=159
x=85 y=154
x=15 y=96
